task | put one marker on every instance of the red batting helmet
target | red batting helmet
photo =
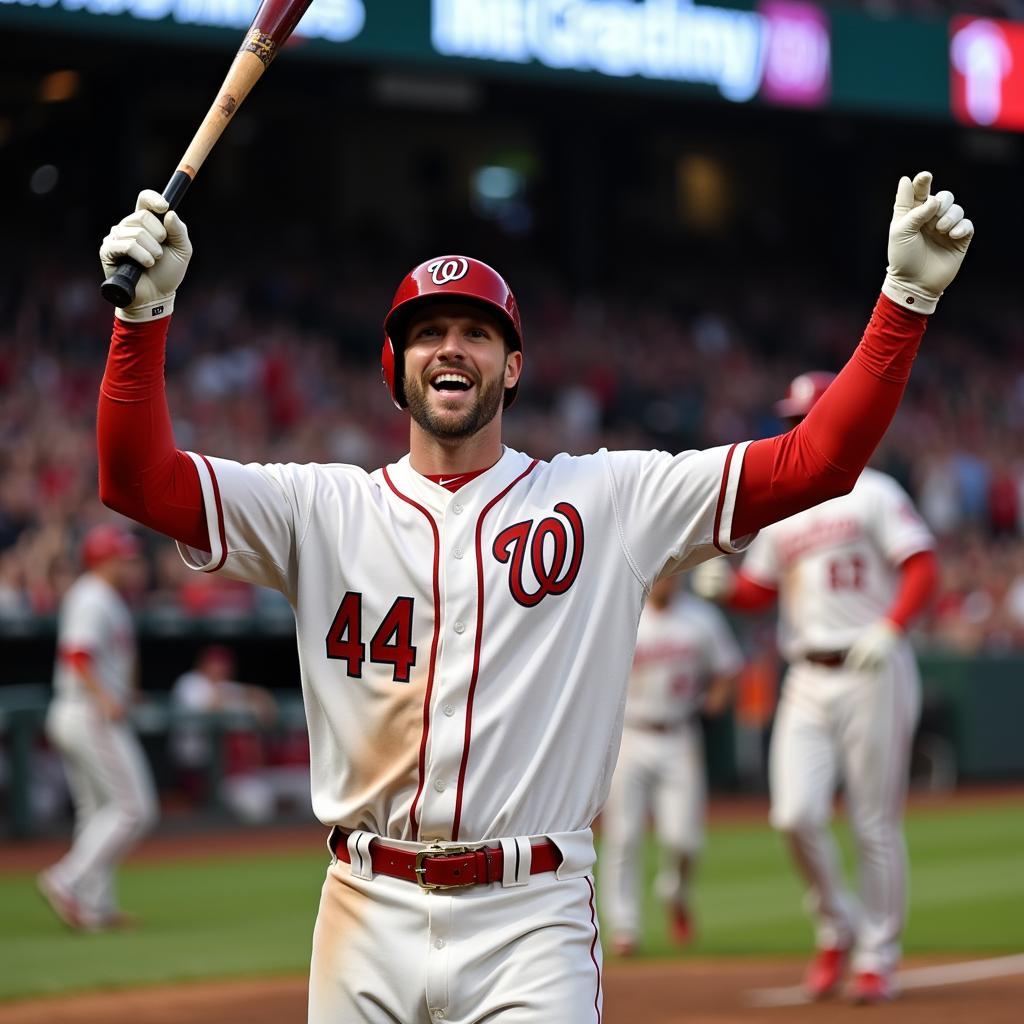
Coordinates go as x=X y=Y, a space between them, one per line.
x=445 y=278
x=803 y=392
x=108 y=541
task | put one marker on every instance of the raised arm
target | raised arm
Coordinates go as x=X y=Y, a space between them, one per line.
x=823 y=456
x=141 y=472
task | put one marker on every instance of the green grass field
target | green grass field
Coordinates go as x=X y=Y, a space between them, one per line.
x=233 y=917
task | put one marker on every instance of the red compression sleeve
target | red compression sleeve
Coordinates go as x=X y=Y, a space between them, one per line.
x=142 y=473
x=749 y=596
x=919 y=580
x=822 y=457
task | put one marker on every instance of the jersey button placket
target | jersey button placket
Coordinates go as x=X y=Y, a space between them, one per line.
x=454 y=669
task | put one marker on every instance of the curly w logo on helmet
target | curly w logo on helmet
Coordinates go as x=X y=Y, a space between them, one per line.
x=448 y=270
x=547 y=561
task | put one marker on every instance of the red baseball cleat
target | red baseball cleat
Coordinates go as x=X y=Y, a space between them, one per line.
x=60 y=901
x=680 y=925
x=870 y=988
x=825 y=973
x=624 y=945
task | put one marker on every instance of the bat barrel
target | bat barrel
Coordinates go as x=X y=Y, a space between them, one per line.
x=119 y=288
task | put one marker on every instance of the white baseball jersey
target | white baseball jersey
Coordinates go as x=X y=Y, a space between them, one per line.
x=464 y=656
x=678 y=650
x=93 y=617
x=835 y=565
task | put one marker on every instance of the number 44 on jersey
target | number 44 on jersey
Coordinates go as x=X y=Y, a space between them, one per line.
x=391 y=644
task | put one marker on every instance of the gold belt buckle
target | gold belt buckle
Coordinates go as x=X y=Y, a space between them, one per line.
x=437 y=850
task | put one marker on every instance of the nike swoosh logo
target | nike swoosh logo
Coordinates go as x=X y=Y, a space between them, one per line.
x=450 y=480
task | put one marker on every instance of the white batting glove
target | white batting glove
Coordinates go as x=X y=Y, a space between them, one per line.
x=163 y=249
x=871 y=650
x=928 y=238
x=713 y=580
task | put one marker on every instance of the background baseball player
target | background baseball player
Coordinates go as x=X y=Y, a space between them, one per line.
x=850 y=576
x=686 y=660
x=466 y=616
x=94 y=687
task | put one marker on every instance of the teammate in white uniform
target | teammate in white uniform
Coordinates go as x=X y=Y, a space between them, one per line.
x=849 y=574
x=686 y=661
x=466 y=617
x=94 y=685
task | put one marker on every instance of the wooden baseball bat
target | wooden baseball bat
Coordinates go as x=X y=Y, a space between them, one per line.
x=272 y=25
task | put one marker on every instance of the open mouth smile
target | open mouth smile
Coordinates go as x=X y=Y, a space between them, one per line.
x=449 y=381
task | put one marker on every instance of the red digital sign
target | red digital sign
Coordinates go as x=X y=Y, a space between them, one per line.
x=987 y=72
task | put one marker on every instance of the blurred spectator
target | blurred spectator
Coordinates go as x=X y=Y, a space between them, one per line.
x=251 y=783
x=278 y=379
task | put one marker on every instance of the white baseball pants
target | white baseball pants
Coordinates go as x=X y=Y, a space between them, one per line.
x=114 y=799
x=835 y=724
x=387 y=952
x=659 y=773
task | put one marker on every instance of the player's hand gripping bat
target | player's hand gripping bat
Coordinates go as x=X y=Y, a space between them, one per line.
x=272 y=25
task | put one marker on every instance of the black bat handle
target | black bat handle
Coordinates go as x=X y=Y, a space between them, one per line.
x=119 y=289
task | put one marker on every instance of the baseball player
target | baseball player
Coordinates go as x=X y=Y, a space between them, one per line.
x=94 y=683
x=686 y=659
x=850 y=575
x=465 y=617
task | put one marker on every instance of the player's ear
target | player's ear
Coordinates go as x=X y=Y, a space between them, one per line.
x=513 y=367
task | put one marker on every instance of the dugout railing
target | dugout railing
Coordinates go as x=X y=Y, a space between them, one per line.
x=969 y=731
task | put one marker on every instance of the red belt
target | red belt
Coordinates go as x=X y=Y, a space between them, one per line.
x=830 y=659
x=449 y=867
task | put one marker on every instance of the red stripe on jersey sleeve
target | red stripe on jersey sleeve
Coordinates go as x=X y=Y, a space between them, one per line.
x=721 y=499
x=220 y=518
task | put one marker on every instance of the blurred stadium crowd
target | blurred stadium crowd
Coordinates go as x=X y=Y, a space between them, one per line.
x=284 y=368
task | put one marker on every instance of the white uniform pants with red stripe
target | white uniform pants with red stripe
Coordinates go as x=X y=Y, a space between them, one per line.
x=836 y=724
x=387 y=952
x=114 y=799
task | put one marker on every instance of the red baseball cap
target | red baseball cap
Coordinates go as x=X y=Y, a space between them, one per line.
x=108 y=541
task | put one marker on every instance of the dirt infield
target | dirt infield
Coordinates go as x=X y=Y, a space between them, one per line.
x=693 y=992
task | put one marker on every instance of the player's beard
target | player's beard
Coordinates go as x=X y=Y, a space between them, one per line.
x=490 y=395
